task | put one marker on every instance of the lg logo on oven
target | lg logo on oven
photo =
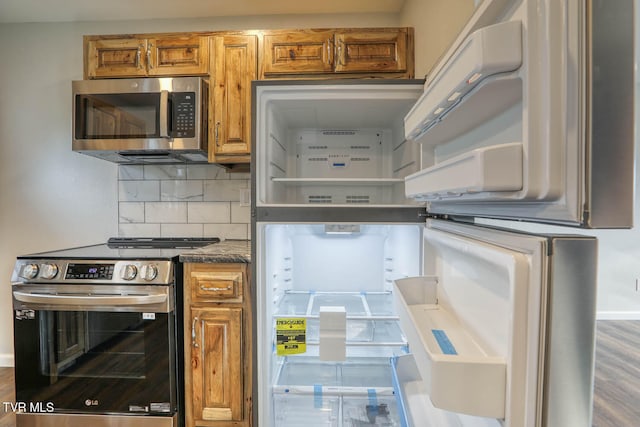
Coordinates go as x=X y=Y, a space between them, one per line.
x=91 y=402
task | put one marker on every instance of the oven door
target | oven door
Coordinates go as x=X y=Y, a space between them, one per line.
x=106 y=349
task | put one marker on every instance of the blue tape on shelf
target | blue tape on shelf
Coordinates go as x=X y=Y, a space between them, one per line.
x=443 y=341
x=317 y=396
x=397 y=388
x=373 y=402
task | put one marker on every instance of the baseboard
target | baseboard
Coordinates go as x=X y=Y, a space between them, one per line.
x=6 y=361
x=618 y=315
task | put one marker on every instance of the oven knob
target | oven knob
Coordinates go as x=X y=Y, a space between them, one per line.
x=30 y=271
x=129 y=272
x=149 y=272
x=48 y=271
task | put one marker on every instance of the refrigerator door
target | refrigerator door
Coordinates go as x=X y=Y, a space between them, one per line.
x=530 y=115
x=500 y=329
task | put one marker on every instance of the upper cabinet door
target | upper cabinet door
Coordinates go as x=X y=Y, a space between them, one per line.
x=382 y=51
x=185 y=55
x=363 y=52
x=180 y=55
x=234 y=66
x=116 y=58
x=529 y=115
x=298 y=52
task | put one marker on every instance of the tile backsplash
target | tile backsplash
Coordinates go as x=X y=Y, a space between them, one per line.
x=183 y=201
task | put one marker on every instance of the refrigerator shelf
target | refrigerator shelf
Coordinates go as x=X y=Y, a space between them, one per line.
x=351 y=376
x=339 y=181
x=477 y=171
x=358 y=305
x=459 y=374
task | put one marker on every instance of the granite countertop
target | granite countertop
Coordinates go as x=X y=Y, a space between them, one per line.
x=225 y=251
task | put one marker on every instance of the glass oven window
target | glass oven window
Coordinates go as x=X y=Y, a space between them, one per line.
x=90 y=344
x=118 y=116
x=89 y=361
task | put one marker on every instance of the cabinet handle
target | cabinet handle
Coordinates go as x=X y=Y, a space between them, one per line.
x=193 y=332
x=339 y=59
x=329 y=51
x=204 y=288
x=217 y=133
x=149 y=64
x=138 y=55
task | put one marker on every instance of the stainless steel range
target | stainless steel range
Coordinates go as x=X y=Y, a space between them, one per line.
x=97 y=334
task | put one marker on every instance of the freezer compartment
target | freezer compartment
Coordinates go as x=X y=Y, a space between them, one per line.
x=328 y=144
x=339 y=410
x=460 y=374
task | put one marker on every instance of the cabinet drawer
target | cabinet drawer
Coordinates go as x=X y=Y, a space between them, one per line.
x=216 y=285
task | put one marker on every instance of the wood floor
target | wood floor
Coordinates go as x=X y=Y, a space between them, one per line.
x=617 y=379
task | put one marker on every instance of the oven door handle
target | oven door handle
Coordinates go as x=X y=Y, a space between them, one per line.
x=90 y=300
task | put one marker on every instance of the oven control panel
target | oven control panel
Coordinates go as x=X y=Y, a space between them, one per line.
x=143 y=272
x=89 y=271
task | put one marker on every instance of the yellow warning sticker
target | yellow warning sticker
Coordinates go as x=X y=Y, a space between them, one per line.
x=291 y=336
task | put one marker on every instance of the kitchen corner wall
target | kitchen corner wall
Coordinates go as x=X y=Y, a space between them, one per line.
x=183 y=201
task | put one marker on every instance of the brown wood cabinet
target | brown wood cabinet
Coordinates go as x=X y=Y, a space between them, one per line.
x=367 y=52
x=234 y=65
x=217 y=332
x=233 y=59
x=171 y=55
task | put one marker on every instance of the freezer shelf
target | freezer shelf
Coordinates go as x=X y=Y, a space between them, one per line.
x=458 y=373
x=338 y=411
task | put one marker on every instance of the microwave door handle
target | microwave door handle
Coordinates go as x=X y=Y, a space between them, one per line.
x=89 y=300
x=164 y=114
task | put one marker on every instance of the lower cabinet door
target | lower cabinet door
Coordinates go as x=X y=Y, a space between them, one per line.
x=216 y=360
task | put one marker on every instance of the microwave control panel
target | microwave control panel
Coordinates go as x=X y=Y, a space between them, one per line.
x=183 y=120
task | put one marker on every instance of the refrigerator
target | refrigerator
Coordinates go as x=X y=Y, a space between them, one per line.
x=380 y=294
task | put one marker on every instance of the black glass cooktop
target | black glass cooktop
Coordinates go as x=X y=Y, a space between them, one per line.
x=129 y=248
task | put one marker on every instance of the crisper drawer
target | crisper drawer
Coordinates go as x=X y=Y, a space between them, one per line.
x=294 y=410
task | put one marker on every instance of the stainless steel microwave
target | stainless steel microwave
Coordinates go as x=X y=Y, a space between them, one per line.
x=142 y=121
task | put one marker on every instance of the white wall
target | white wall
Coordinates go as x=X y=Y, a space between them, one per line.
x=50 y=197
x=436 y=24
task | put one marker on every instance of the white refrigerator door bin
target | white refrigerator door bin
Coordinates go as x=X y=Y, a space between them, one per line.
x=499 y=324
x=529 y=115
